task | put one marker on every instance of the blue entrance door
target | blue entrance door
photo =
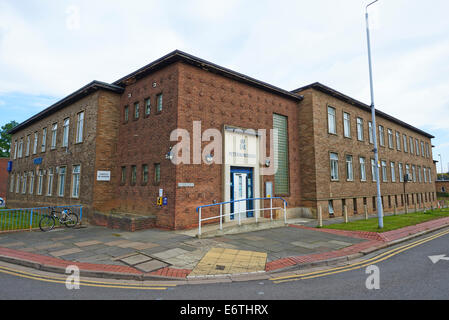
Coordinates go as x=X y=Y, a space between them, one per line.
x=242 y=188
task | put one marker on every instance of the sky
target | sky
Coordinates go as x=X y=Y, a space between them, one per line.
x=49 y=49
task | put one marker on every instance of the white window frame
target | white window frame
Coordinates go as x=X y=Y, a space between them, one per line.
x=370 y=132
x=331 y=120
x=360 y=136
x=414 y=173
x=31 y=188
x=15 y=149
x=79 y=127
x=401 y=172
x=393 y=171
x=54 y=135
x=417 y=147
x=346 y=125
x=412 y=148
x=349 y=168
x=11 y=184
x=76 y=180
x=398 y=141
x=50 y=181
x=65 y=132
x=334 y=166
x=18 y=179
x=44 y=140
x=27 y=152
x=36 y=140
x=362 y=162
x=405 y=142
x=62 y=175
x=40 y=182
x=373 y=170
x=384 y=171
x=381 y=136
x=390 y=139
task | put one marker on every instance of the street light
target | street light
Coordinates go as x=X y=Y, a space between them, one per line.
x=373 y=114
x=441 y=162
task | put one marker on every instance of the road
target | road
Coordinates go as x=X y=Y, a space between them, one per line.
x=406 y=272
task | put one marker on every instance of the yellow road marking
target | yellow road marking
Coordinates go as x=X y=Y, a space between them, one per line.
x=358 y=265
x=90 y=283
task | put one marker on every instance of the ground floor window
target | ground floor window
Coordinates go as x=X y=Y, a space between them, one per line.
x=39 y=182
x=331 y=207
x=61 y=181
x=76 y=181
x=50 y=182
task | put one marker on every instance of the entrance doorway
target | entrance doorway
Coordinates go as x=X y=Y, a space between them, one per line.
x=242 y=188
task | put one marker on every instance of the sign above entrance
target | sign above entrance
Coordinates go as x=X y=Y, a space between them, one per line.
x=185 y=185
x=240 y=148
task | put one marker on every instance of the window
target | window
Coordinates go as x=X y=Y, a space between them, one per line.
x=411 y=146
x=76 y=181
x=362 y=169
x=384 y=171
x=331 y=207
x=370 y=132
x=39 y=182
x=11 y=184
x=79 y=127
x=31 y=189
x=126 y=115
x=133 y=175
x=18 y=183
x=381 y=136
x=136 y=110
x=360 y=129
x=331 y=120
x=334 y=166
x=123 y=179
x=61 y=181
x=36 y=138
x=24 y=183
x=15 y=149
x=425 y=174
x=346 y=125
x=427 y=150
x=420 y=174
x=281 y=177
x=44 y=139
x=393 y=172
x=54 y=130
x=159 y=102
x=398 y=141
x=430 y=175
x=422 y=149
x=390 y=139
x=157 y=173
x=50 y=182
x=147 y=107
x=407 y=172
x=27 y=153
x=145 y=173
x=417 y=147
x=373 y=170
x=20 y=147
x=414 y=173
x=349 y=169
x=65 y=133
x=405 y=143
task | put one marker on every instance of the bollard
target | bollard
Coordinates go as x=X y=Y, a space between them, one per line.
x=320 y=217
x=366 y=211
x=346 y=214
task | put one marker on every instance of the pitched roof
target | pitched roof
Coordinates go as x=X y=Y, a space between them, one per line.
x=73 y=97
x=325 y=89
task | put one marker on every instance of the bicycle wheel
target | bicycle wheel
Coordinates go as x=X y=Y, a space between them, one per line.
x=71 y=220
x=47 y=223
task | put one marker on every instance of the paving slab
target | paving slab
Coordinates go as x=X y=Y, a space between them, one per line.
x=135 y=259
x=150 y=266
x=65 y=252
x=87 y=243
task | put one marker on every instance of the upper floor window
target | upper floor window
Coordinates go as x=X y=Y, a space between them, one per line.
x=384 y=171
x=346 y=125
x=136 y=110
x=36 y=138
x=61 y=181
x=417 y=146
x=381 y=136
x=362 y=169
x=28 y=146
x=65 y=135
x=360 y=129
x=133 y=175
x=390 y=139
x=422 y=149
x=76 y=181
x=15 y=149
x=370 y=132
x=157 y=173
x=411 y=146
x=427 y=150
x=123 y=179
x=20 y=147
x=334 y=166
x=373 y=170
x=420 y=174
x=401 y=173
x=44 y=139
x=414 y=173
x=147 y=107
x=398 y=141
x=393 y=172
x=54 y=131
x=145 y=173
x=405 y=143
x=31 y=188
x=79 y=127
x=349 y=169
x=331 y=120
x=126 y=114
x=159 y=102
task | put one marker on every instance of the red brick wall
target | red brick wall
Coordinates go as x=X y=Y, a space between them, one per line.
x=3 y=177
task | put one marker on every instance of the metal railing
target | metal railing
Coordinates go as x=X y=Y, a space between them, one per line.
x=28 y=218
x=239 y=213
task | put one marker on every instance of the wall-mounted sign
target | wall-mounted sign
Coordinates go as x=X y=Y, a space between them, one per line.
x=186 y=185
x=268 y=189
x=103 y=175
x=37 y=161
x=9 y=168
x=165 y=201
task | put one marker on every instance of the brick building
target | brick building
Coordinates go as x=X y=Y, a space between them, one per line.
x=3 y=177
x=111 y=147
x=442 y=186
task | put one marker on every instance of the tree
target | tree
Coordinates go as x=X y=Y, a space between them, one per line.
x=5 y=138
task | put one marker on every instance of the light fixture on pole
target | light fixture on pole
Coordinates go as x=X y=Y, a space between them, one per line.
x=441 y=162
x=373 y=114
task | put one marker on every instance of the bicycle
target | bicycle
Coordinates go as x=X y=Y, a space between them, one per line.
x=67 y=218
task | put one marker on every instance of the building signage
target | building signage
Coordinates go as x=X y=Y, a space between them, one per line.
x=103 y=175
x=165 y=201
x=9 y=168
x=240 y=148
x=37 y=161
x=185 y=185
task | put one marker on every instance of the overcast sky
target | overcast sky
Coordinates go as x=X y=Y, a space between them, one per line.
x=48 y=49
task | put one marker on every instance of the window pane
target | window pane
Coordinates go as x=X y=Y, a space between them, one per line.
x=281 y=177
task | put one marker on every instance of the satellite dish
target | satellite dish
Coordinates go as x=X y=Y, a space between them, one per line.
x=2 y=203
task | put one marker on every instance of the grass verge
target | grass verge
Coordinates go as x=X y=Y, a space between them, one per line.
x=391 y=222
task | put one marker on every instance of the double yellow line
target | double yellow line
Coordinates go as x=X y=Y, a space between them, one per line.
x=88 y=283
x=362 y=264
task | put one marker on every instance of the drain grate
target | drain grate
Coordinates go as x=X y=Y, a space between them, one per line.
x=218 y=267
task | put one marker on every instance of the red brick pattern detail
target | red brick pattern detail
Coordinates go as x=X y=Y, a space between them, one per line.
x=353 y=234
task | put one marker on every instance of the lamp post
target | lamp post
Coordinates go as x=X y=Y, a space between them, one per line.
x=373 y=114
x=441 y=162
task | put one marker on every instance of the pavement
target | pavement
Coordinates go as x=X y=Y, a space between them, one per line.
x=156 y=254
